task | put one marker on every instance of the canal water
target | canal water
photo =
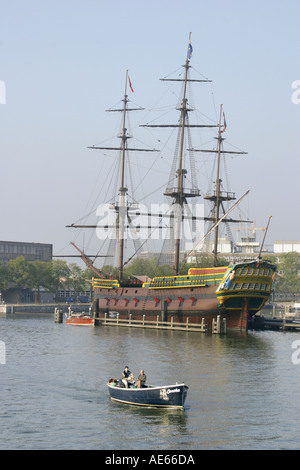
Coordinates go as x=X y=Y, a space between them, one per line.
x=243 y=388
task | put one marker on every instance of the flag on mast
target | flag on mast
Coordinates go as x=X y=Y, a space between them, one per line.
x=224 y=125
x=130 y=84
x=190 y=48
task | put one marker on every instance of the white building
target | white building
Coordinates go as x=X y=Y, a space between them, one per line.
x=285 y=246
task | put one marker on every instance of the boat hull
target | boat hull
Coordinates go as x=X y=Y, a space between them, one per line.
x=206 y=306
x=80 y=321
x=201 y=296
x=170 y=396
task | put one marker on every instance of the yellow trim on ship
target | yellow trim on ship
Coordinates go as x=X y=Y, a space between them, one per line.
x=234 y=287
x=214 y=268
x=245 y=277
x=173 y=282
x=260 y=296
x=250 y=282
x=176 y=286
x=105 y=283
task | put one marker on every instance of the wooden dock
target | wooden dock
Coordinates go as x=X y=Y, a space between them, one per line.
x=283 y=324
x=219 y=326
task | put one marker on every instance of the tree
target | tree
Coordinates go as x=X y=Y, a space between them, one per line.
x=3 y=278
x=18 y=273
x=289 y=267
x=147 y=267
x=39 y=275
x=203 y=260
x=76 y=280
x=272 y=258
x=59 y=273
x=141 y=267
x=107 y=271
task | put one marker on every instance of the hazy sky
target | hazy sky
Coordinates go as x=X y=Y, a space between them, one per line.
x=62 y=63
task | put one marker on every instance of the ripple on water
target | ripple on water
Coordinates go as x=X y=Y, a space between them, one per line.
x=53 y=395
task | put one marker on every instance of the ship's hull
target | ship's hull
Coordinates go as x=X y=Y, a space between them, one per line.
x=201 y=303
x=236 y=293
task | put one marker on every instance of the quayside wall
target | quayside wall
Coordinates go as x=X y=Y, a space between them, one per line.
x=11 y=309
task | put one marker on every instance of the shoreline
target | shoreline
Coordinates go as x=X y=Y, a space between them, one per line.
x=11 y=309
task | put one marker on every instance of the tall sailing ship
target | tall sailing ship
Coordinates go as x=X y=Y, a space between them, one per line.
x=236 y=292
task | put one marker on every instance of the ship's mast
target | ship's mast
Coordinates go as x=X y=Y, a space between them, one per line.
x=179 y=197
x=217 y=206
x=218 y=197
x=123 y=189
x=180 y=193
x=121 y=207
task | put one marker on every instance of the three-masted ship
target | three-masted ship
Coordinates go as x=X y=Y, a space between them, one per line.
x=236 y=292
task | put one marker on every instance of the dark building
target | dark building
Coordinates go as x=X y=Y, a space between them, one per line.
x=30 y=251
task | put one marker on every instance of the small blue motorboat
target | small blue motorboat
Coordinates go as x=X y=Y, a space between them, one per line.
x=166 y=396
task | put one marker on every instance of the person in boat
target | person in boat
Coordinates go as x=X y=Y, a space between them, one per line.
x=127 y=376
x=141 y=380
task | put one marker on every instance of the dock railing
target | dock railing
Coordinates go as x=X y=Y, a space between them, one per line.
x=163 y=325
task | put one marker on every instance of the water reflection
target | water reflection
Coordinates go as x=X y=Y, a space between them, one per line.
x=151 y=425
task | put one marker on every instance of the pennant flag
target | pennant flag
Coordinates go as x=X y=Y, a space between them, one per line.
x=130 y=84
x=225 y=125
x=190 y=50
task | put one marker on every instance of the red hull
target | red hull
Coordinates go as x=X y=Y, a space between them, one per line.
x=194 y=304
x=80 y=321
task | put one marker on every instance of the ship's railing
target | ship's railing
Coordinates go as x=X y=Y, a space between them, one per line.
x=105 y=283
x=224 y=195
x=184 y=281
x=114 y=283
x=219 y=271
x=186 y=192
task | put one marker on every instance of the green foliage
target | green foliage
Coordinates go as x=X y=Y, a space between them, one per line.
x=18 y=272
x=147 y=267
x=58 y=275
x=53 y=275
x=76 y=279
x=288 y=279
x=3 y=278
x=108 y=271
x=203 y=260
x=39 y=274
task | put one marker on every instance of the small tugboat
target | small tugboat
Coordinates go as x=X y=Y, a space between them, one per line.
x=79 y=319
x=166 y=396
